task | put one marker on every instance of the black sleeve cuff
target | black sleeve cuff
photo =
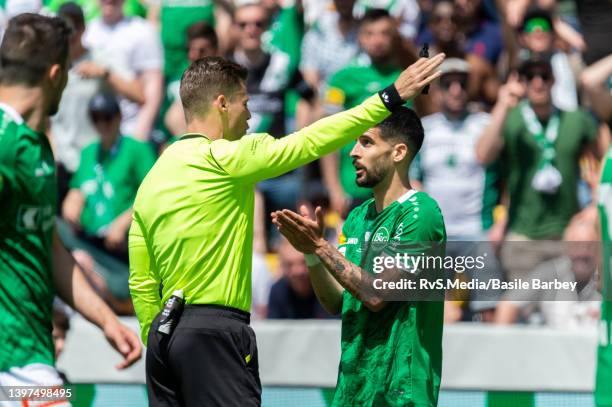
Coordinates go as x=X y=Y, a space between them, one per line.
x=391 y=98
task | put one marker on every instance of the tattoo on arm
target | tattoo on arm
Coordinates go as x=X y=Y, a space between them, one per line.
x=352 y=277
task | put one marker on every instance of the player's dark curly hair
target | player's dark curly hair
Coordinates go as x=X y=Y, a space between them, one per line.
x=403 y=126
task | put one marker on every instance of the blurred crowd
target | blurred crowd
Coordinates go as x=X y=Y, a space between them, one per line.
x=515 y=129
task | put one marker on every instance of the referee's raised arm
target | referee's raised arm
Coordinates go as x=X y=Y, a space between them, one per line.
x=261 y=156
x=193 y=230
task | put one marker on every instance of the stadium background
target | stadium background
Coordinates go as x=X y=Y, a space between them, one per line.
x=514 y=366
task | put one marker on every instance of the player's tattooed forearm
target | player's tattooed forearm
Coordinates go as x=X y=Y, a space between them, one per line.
x=348 y=274
x=338 y=266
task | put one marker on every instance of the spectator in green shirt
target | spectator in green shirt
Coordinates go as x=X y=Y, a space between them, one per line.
x=540 y=147
x=99 y=203
x=348 y=87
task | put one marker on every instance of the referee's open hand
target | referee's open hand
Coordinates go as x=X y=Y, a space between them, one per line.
x=414 y=78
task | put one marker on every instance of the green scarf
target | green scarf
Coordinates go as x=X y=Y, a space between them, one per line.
x=547 y=178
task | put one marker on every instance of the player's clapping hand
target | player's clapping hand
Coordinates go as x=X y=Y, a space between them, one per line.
x=414 y=78
x=124 y=340
x=303 y=232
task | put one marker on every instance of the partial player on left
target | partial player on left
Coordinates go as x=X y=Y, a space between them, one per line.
x=34 y=265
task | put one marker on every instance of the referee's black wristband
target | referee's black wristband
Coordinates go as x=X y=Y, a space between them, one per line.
x=391 y=98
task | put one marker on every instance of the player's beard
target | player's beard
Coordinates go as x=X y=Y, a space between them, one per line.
x=371 y=176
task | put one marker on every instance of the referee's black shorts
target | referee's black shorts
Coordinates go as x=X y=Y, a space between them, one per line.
x=209 y=360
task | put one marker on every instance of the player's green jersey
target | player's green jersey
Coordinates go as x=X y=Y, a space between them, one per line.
x=176 y=17
x=109 y=180
x=392 y=357
x=347 y=88
x=193 y=214
x=28 y=194
x=603 y=388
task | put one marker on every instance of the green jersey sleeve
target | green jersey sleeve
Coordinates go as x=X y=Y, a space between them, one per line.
x=144 y=282
x=257 y=157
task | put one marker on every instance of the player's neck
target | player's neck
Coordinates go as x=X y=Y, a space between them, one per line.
x=390 y=190
x=29 y=103
x=208 y=126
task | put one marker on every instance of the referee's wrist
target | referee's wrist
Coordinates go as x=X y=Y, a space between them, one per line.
x=391 y=98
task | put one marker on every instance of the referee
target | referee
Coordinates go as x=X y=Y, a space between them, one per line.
x=193 y=229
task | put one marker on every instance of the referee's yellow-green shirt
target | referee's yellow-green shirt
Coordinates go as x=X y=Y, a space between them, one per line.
x=193 y=214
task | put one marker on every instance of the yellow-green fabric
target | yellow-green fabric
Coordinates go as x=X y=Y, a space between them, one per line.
x=193 y=214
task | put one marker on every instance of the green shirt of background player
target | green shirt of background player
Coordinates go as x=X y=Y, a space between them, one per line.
x=603 y=390
x=110 y=171
x=391 y=351
x=34 y=264
x=376 y=68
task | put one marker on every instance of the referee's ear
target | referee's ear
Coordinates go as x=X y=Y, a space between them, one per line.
x=221 y=103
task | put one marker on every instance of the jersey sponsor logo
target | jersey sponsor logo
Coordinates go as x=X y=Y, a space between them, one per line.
x=32 y=218
x=352 y=240
x=381 y=235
